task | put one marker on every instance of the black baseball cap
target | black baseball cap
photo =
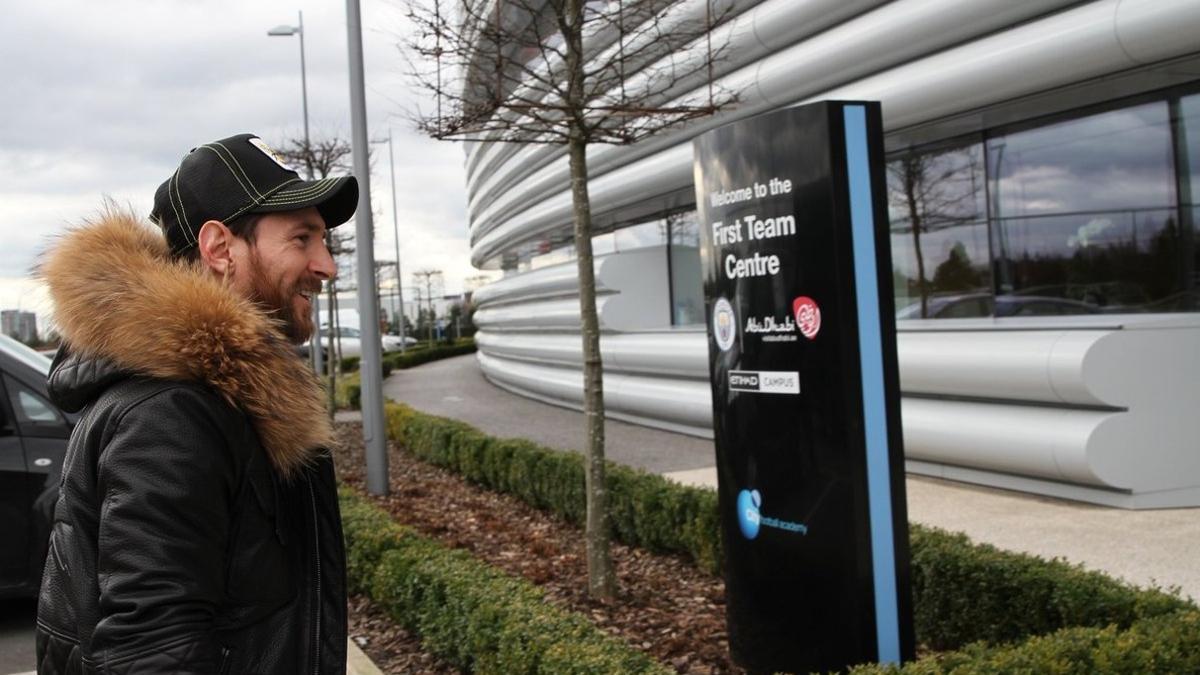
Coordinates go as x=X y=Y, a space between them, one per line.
x=238 y=175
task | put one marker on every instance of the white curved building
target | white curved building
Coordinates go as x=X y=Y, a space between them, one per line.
x=1044 y=173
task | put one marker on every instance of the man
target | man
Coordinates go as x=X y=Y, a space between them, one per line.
x=197 y=528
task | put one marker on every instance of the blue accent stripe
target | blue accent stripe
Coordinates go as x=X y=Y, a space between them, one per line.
x=870 y=347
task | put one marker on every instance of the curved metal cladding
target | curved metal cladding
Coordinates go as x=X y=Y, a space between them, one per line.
x=1057 y=406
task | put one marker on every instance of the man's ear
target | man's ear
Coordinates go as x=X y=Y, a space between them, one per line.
x=215 y=244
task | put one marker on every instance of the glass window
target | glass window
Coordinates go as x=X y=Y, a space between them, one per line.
x=1084 y=210
x=652 y=233
x=687 y=284
x=558 y=256
x=31 y=409
x=603 y=244
x=1189 y=141
x=936 y=205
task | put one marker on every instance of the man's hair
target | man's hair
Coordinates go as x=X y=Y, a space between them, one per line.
x=243 y=226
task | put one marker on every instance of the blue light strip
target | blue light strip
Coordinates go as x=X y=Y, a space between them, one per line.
x=870 y=347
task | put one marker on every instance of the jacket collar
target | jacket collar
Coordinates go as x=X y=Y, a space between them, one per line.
x=125 y=307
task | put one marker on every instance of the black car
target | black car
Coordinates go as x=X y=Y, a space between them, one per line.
x=33 y=441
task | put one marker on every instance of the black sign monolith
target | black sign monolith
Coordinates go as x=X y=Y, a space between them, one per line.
x=802 y=346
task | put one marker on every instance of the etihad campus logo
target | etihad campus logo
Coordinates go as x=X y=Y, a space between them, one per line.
x=724 y=324
x=750 y=518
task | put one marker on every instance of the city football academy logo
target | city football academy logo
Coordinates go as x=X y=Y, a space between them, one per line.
x=749 y=518
x=808 y=316
x=724 y=324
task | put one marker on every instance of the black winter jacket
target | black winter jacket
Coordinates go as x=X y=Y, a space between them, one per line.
x=193 y=532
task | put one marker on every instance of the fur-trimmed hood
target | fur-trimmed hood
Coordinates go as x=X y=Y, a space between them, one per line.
x=122 y=304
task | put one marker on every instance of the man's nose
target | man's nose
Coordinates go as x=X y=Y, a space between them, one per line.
x=322 y=264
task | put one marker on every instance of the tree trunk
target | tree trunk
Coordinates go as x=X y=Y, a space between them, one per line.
x=601 y=577
x=911 y=169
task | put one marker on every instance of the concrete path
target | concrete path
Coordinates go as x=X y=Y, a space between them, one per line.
x=1144 y=547
x=456 y=388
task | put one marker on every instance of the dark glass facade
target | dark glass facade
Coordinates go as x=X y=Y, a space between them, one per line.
x=1082 y=215
x=1089 y=213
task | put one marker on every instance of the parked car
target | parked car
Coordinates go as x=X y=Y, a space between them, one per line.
x=351 y=342
x=986 y=305
x=33 y=442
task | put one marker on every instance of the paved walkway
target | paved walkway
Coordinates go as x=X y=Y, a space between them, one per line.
x=1145 y=547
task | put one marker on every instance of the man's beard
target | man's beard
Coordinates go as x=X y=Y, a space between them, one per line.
x=278 y=300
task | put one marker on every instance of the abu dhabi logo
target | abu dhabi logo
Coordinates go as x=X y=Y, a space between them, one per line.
x=751 y=519
x=724 y=324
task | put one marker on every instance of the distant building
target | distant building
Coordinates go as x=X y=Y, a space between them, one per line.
x=19 y=325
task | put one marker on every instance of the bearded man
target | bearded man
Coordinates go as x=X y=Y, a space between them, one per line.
x=197 y=528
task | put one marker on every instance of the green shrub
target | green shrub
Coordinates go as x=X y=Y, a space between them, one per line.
x=348 y=392
x=1163 y=644
x=963 y=593
x=416 y=355
x=369 y=533
x=645 y=509
x=470 y=614
x=350 y=364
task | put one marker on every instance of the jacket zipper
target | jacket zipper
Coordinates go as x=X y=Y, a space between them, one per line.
x=317 y=555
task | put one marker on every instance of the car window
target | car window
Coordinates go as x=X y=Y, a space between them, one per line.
x=24 y=354
x=966 y=308
x=32 y=410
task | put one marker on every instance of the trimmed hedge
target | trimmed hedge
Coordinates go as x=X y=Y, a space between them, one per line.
x=963 y=593
x=1162 y=644
x=470 y=614
x=415 y=357
x=645 y=509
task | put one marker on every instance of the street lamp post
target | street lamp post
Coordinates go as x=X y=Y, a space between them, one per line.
x=287 y=31
x=396 y=234
x=374 y=440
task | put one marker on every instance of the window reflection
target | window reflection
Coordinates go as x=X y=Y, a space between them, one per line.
x=687 y=287
x=1081 y=216
x=1111 y=161
x=1187 y=141
x=652 y=233
x=939 y=233
x=1083 y=211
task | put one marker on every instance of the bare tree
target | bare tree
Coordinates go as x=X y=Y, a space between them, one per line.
x=937 y=191
x=573 y=73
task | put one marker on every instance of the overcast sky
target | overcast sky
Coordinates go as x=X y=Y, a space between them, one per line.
x=104 y=98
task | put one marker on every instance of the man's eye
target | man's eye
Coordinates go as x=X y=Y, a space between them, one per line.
x=303 y=239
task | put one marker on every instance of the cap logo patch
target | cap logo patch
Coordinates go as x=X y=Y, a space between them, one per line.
x=269 y=152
